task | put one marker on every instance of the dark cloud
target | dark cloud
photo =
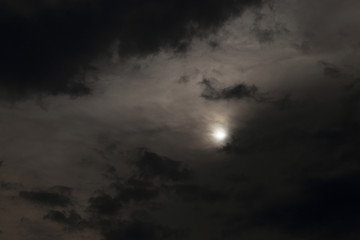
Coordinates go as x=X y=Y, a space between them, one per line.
x=329 y=207
x=193 y=192
x=183 y=80
x=264 y=35
x=239 y=91
x=136 y=190
x=213 y=44
x=310 y=123
x=47 y=48
x=49 y=198
x=70 y=220
x=209 y=92
x=104 y=204
x=310 y=146
x=266 y=27
x=135 y=194
x=330 y=70
x=9 y=185
x=284 y=102
x=151 y=165
x=61 y=190
x=354 y=83
x=137 y=230
x=138 y=187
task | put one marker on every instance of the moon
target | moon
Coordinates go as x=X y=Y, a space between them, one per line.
x=219 y=134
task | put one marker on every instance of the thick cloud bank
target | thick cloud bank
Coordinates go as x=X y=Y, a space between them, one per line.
x=46 y=46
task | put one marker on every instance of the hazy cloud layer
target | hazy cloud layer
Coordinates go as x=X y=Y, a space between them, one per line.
x=138 y=159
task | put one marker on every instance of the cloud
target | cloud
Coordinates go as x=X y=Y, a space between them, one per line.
x=266 y=26
x=193 y=192
x=326 y=30
x=140 y=186
x=70 y=220
x=136 y=190
x=330 y=70
x=303 y=149
x=327 y=206
x=104 y=204
x=136 y=193
x=47 y=198
x=236 y=92
x=289 y=162
x=48 y=47
x=137 y=230
x=151 y=165
x=62 y=190
x=183 y=80
x=312 y=121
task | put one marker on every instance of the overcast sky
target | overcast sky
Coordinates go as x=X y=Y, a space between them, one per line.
x=151 y=120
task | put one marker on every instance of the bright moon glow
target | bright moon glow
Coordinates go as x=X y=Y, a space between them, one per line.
x=219 y=134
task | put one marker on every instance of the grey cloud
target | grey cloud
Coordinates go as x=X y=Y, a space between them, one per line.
x=183 y=80
x=327 y=29
x=236 y=92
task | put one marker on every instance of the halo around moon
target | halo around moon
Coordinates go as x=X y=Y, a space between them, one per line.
x=219 y=134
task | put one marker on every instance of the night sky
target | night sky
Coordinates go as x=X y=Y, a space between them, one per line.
x=181 y=119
